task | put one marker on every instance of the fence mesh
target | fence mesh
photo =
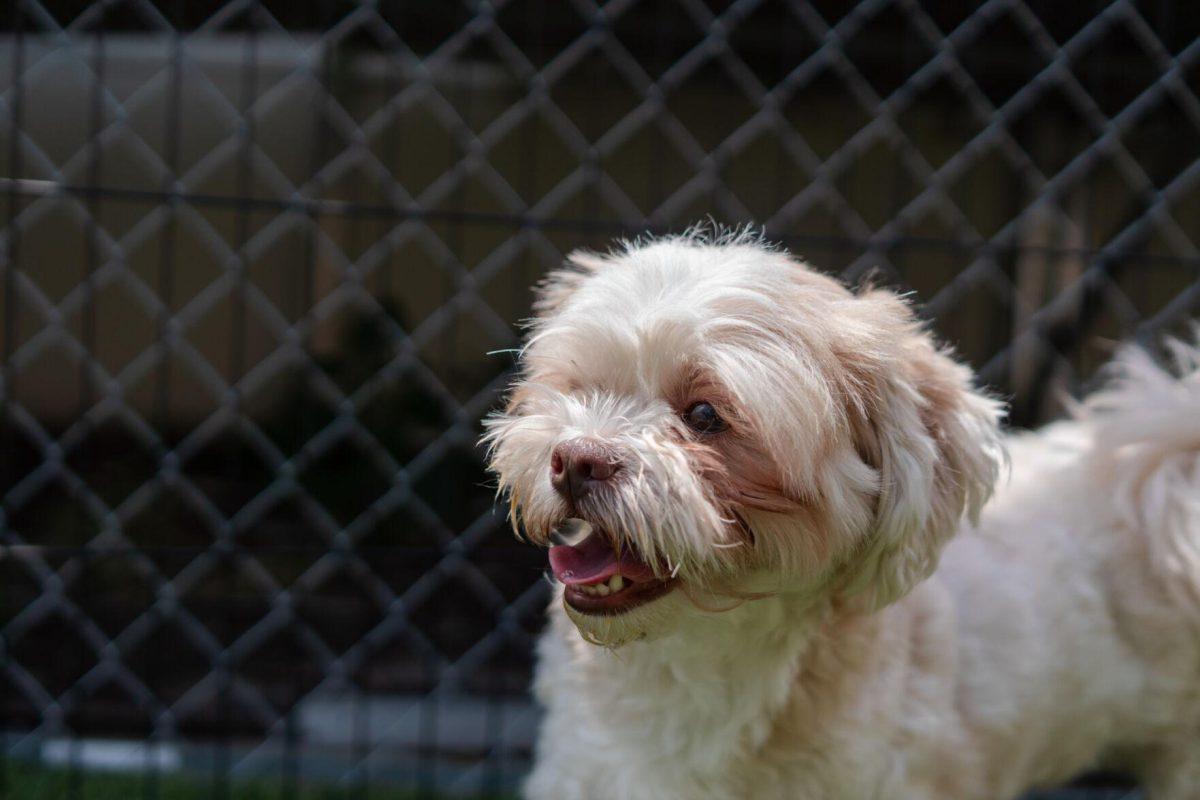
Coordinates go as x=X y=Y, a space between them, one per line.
x=261 y=262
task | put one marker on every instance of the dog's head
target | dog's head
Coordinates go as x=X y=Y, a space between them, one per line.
x=728 y=422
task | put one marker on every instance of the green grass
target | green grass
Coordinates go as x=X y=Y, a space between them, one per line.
x=26 y=781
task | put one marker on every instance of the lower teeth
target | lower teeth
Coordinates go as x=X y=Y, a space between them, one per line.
x=602 y=589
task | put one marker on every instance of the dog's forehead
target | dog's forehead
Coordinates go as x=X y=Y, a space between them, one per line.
x=654 y=312
x=669 y=271
x=682 y=282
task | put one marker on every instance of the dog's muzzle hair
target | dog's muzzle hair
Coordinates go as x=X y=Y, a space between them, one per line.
x=649 y=496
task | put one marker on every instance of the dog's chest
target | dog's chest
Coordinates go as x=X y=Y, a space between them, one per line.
x=682 y=741
x=659 y=723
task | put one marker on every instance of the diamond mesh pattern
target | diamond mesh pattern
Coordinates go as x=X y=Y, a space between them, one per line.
x=253 y=258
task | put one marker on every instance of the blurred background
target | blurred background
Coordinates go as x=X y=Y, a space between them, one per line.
x=261 y=262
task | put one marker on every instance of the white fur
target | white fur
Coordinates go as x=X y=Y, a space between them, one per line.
x=1059 y=633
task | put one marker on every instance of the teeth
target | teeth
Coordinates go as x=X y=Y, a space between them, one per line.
x=615 y=584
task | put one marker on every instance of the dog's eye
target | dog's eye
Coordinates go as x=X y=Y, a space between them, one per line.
x=704 y=418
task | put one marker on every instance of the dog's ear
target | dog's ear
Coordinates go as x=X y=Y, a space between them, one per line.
x=935 y=442
x=552 y=291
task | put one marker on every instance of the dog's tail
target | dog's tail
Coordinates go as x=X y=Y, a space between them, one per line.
x=1146 y=428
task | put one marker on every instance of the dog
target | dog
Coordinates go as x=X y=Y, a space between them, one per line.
x=756 y=476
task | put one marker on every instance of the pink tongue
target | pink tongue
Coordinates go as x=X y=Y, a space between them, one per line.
x=593 y=560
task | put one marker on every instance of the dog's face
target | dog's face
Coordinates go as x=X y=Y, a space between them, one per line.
x=728 y=422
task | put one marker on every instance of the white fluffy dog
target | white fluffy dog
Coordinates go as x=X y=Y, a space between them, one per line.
x=769 y=469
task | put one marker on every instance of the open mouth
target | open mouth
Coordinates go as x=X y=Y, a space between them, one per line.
x=599 y=580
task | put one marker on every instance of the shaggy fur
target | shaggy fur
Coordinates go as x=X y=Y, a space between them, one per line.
x=813 y=647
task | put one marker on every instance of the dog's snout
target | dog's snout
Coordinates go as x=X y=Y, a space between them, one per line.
x=578 y=466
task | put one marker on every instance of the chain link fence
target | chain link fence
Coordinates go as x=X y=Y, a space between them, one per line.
x=262 y=261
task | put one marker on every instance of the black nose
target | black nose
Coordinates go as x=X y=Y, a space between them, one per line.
x=578 y=466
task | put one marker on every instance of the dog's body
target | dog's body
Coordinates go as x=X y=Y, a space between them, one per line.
x=1044 y=645
x=1059 y=633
